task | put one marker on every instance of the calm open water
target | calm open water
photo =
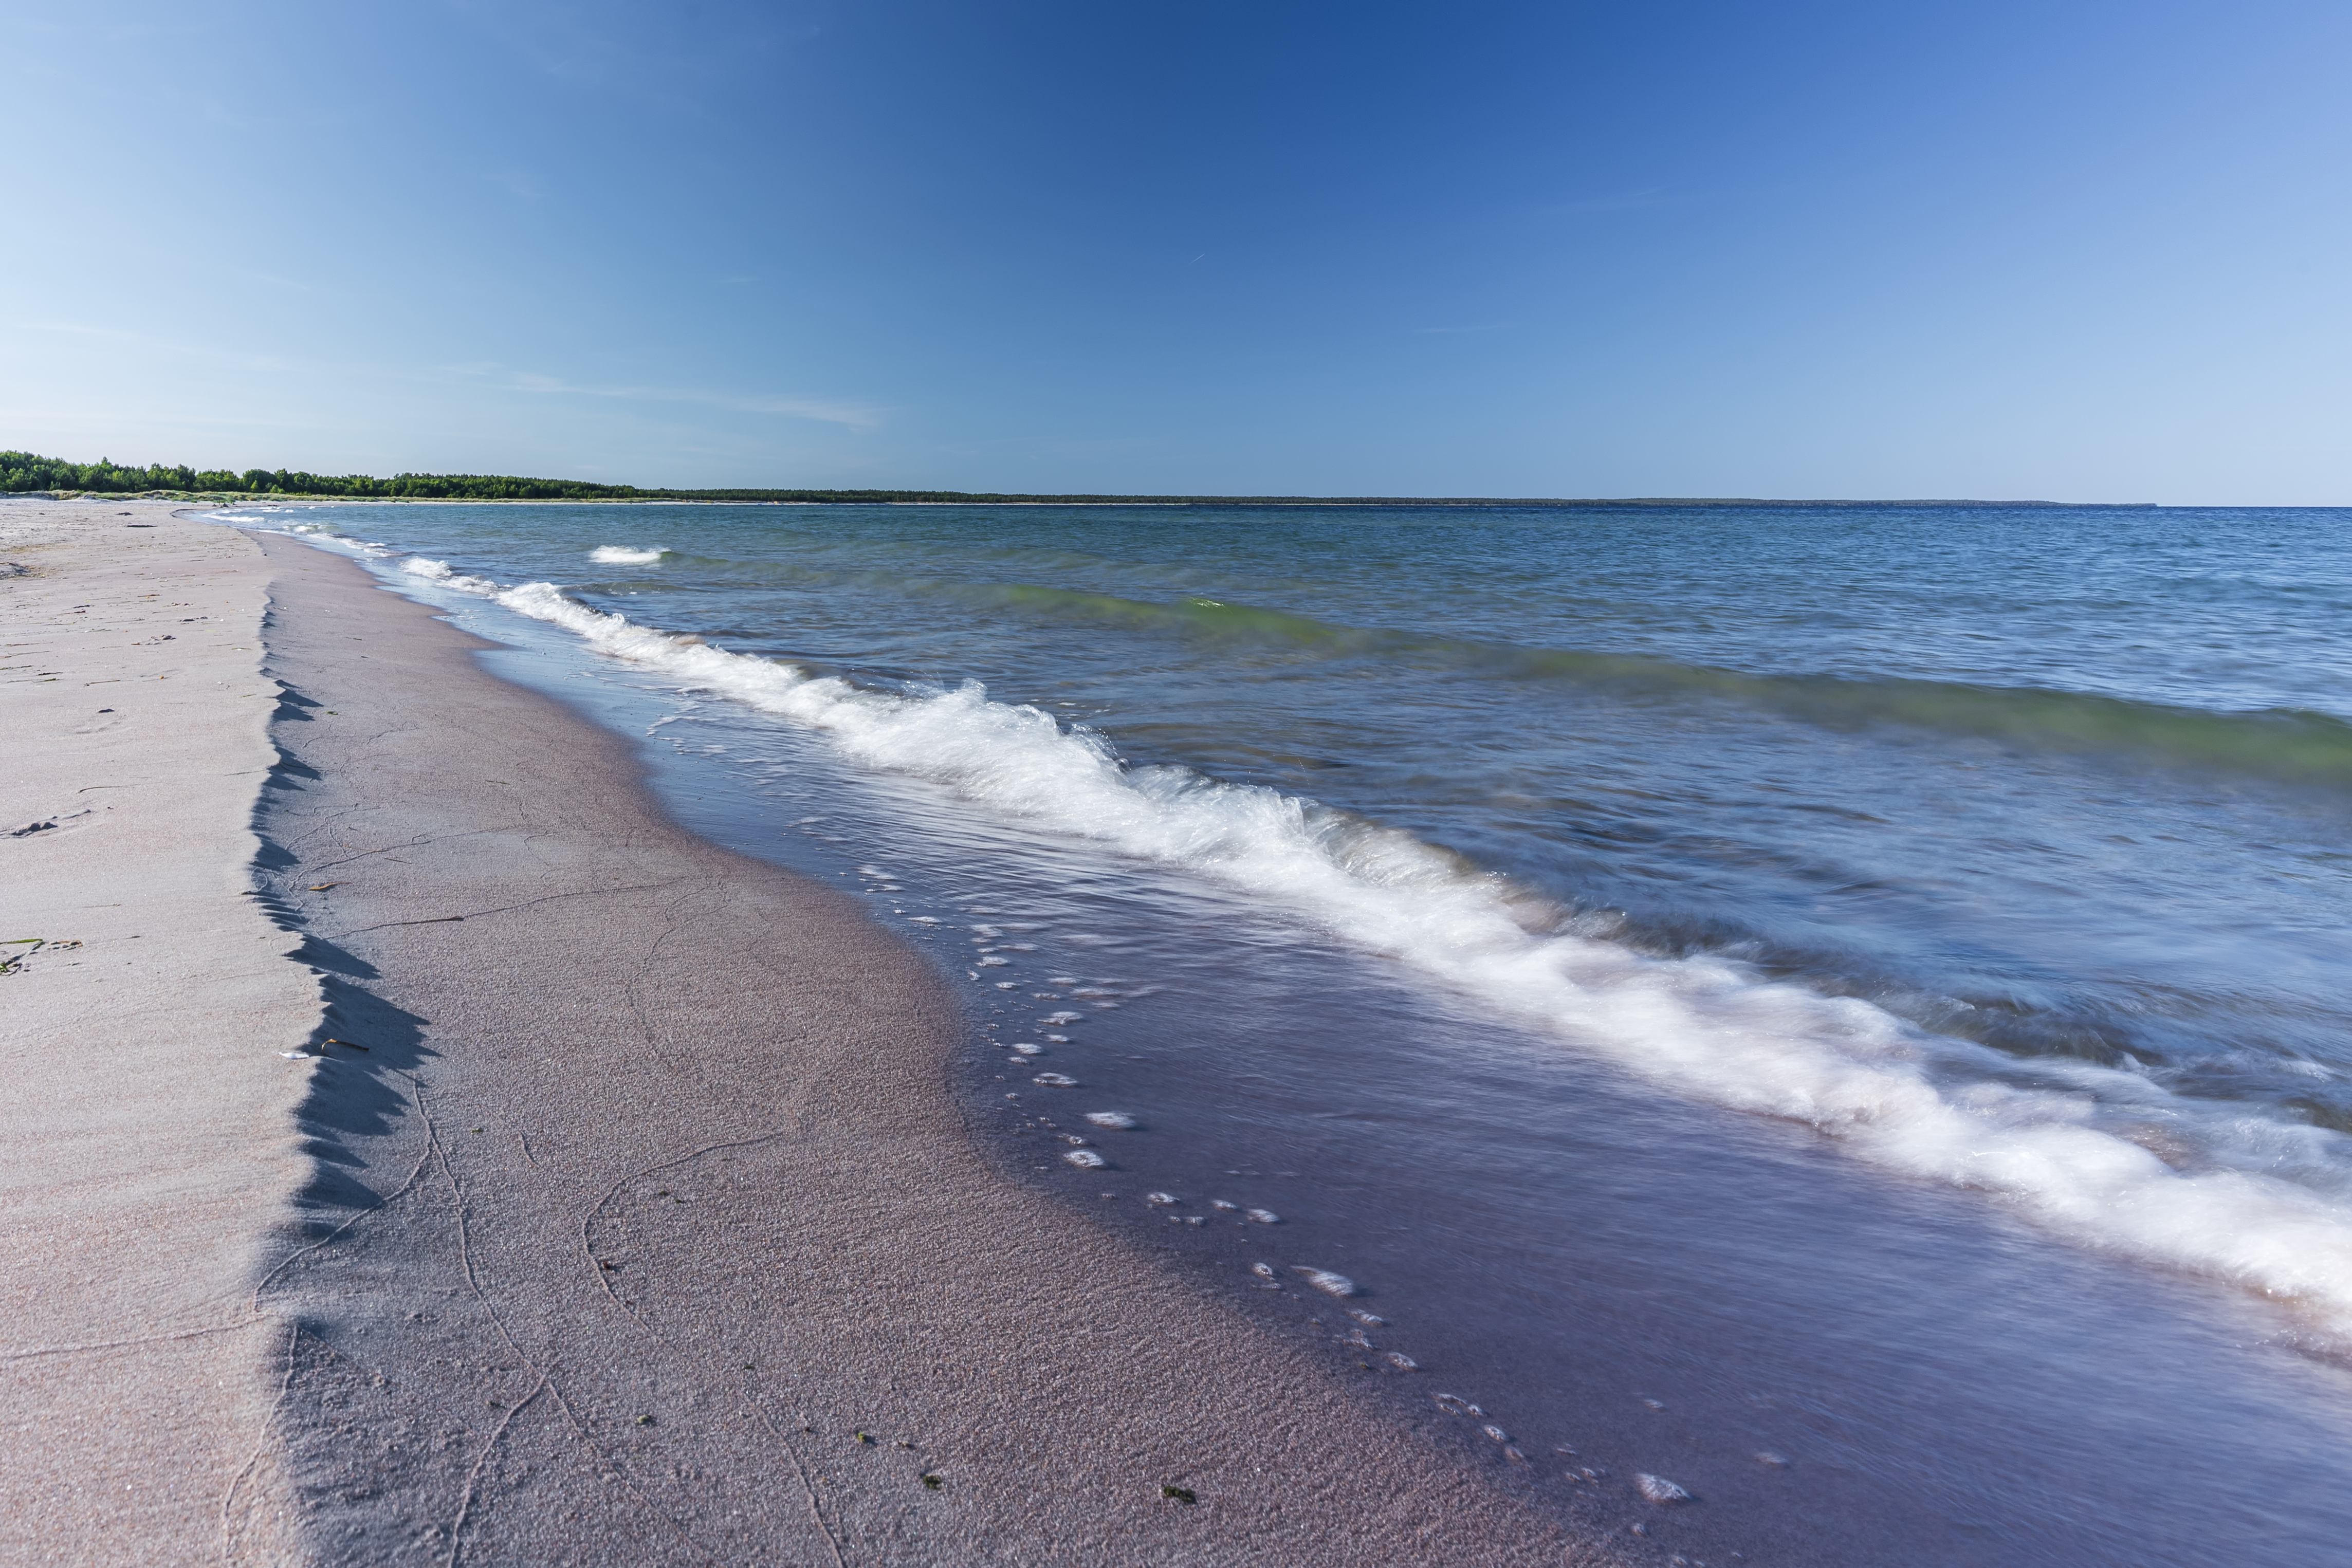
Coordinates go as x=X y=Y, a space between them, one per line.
x=1861 y=988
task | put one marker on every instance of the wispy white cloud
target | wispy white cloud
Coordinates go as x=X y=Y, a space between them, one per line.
x=858 y=418
x=156 y=344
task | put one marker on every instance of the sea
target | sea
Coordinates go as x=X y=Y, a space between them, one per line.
x=1804 y=1034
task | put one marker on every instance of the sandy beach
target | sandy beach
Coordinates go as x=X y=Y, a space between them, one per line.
x=147 y=1141
x=616 y=1206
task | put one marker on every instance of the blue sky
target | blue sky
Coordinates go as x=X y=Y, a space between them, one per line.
x=2081 y=252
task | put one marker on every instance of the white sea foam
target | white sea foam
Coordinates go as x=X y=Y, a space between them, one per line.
x=1118 y=1119
x=438 y=571
x=625 y=555
x=2263 y=1203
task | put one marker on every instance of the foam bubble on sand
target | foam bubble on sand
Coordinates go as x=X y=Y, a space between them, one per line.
x=1495 y=1432
x=1160 y=1198
x=1055 y=1080
x=1369 y=1319
x=1660 y=1491
x=623 y=555
x=1025 y=1049
x=1062 y=1019
x=1454 y=1404
x=993 y=961
x=1262 y=1270
x=1402 y=1362
x=1327 y=1281
x=1086 y=1159
x=1118 y=1118
x=1265 y=1217
x=2268 y=1205
x=1221 y=1203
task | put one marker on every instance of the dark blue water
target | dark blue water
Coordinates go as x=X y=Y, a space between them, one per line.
x=1867 y=982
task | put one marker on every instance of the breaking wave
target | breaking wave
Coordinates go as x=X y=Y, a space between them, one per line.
x=2097 y=1152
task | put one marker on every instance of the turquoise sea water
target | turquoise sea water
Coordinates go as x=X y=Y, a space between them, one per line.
x=1931 y=919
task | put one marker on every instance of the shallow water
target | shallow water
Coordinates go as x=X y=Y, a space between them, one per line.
x=1867 y=982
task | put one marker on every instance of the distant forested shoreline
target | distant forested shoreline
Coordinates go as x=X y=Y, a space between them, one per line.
x=26 y=473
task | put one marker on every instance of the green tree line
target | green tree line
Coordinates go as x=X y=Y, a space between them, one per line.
x=22 y=471
x=25 y=471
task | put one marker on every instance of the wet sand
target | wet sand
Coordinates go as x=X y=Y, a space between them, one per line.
x=644 y=1227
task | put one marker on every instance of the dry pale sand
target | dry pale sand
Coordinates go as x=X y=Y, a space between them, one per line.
x=147 y=1138
x=647 y=1198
